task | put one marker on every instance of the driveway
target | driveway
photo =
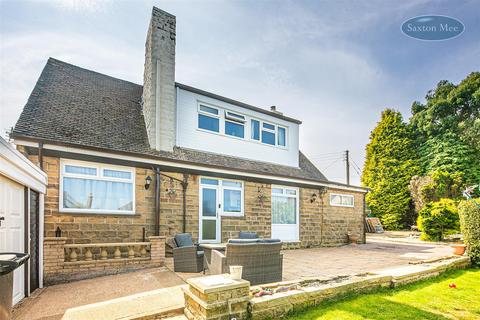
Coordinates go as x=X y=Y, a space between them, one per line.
x=50 y=303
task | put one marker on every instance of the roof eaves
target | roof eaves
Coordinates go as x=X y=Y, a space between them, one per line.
x=235 y=102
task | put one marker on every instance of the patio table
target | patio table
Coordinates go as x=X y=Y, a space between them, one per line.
x=207 y=249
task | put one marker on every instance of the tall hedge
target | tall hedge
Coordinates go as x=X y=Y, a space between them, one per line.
x=389 y=166
x=469 y=212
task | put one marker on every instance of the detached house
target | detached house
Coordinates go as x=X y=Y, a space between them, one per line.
x=126 y=162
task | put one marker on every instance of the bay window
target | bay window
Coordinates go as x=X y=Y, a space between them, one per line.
x=96 y=188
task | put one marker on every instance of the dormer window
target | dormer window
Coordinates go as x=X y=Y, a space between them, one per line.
x=208 y=118
x=234 y=124
x=268 y=133
x=282 y=136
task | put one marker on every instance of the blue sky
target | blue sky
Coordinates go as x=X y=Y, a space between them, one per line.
x=333 y=64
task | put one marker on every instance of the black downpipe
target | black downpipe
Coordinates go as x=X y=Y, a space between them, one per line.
x=157 y=201
x=184 y=193
x=40 y=155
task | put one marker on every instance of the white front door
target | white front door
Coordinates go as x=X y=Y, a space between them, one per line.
x=285 y=213
x=12 y=209
x=209 y=220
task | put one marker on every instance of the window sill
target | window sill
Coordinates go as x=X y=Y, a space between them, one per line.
x=232 y=215
x=104 y=214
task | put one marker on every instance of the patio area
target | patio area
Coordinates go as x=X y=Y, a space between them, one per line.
x=51 y=302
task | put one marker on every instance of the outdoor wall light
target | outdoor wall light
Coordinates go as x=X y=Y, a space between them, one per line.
x=148 y=182
x=313 y=198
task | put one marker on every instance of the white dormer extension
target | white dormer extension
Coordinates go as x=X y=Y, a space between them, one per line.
x=178 y=115
x=213 y=125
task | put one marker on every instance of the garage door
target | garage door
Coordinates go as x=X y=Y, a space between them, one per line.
x=12 y=228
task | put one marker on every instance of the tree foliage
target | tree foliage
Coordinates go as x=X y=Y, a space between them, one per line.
x=438 y=219
x=435 y=155
x=447 y=129
x=469 y=212
x=439 y=184
x=388 y=169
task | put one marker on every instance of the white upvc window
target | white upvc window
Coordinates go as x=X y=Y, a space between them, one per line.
x=208 y=118
x=231 y=195
x=88 y=187
x=234 y=124
x=342 y=200
x=268 y=133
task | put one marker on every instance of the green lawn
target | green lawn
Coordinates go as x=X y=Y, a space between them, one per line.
x=429 y=299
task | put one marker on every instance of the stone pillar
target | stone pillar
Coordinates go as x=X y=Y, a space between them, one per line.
x=157 y=250
x=216 y=297
x=53 y=257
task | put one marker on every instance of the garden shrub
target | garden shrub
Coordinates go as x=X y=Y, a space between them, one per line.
x=469 y=212
x=438 y=219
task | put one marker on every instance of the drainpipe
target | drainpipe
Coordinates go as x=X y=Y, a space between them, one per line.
x=157 y=201
x=40 y=155
x=184 y=192
x=364 y=217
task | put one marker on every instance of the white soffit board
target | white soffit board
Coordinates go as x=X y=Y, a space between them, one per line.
x=17 y=167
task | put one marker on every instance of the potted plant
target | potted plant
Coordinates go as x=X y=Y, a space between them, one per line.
x=353 y=238
x=458 y=248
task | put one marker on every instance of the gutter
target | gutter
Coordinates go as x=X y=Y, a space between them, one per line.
x=178 y=163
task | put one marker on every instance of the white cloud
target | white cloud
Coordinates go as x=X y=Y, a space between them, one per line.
x=80 y=5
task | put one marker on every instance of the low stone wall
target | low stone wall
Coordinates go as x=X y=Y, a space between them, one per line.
x=280 y=304
x=227 y=299
x=58 y=269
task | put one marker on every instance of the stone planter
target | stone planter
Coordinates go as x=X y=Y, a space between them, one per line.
x=458 y=249
x=353 y=239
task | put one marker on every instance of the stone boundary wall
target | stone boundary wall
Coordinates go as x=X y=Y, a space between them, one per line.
x=281 y=304
x=57 y=270
x=233 y=299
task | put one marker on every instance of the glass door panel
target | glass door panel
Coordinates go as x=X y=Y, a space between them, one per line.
x=209 y=219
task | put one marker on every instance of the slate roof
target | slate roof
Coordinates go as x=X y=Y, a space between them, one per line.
x=78 y=107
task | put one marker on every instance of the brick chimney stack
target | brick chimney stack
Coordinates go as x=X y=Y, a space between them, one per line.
x=159 y=109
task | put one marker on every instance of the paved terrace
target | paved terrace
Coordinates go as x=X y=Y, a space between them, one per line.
x=50 y=303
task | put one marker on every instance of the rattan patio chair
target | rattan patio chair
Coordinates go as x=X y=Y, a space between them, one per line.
x=261 y=259
x=187 y=256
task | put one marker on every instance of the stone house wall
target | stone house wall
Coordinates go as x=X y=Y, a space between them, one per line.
x=320 y=223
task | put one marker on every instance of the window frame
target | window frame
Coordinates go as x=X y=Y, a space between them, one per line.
x=284 y=193
x=208 y=114
x=224 y=115
x=274 y=131
x=221 y=198
x=331 y=195
x=99 y=176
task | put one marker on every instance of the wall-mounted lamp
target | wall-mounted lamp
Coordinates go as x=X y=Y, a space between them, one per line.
x=148 y=182
x=58 y=232
x=313 y=198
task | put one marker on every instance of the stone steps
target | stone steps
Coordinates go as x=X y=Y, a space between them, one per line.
x=155 y=304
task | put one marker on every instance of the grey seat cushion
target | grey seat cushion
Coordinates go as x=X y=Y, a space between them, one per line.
x=269 y=240
x=243 y=241
x=183 y=240
x=247 y=235
x=200 y=253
